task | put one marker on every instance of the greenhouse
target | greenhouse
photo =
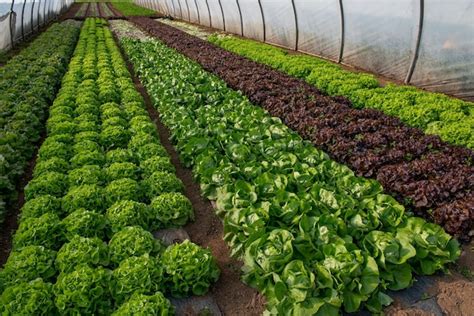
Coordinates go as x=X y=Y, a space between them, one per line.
x=237 y=157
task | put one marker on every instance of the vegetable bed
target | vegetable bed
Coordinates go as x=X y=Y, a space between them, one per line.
x=314 y=237
x=102 y=183
x=28 y=84
x=429 y=176
x=450 y=118
x=131 y=9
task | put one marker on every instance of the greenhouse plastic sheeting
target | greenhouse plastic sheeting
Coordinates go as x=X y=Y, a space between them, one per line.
x=216 y=14
x=40 y=12
x=184 y=7
x=5 y=39
x=172 y=8
x=252 y=19
x=380 y=35
x=165 y=7
x=193 y=11
x=35 y=15
x=320 y=17
x=232 y=16
x=446 y=55
x=203 y=13
x=180 y=6
x=279 y=22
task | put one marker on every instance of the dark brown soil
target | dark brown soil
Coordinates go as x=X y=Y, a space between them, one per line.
x=71 y=13
x=99 y=9
x=86 y=14
x=232 y=296
x=371 y=143
x=9 y=226
x=116 y=12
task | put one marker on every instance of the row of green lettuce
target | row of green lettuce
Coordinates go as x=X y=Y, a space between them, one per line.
x=28 y=84
x=314 y=238
x=131 y=9
x=102 y=183
x=451 y=119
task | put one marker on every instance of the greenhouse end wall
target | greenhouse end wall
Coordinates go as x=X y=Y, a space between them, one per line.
x=426 y=43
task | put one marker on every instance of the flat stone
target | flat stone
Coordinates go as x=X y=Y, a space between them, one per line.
x=171 y=236
x=196 y=305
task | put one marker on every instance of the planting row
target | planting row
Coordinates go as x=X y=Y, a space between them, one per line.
x=433 y=178
x=28 y=84
x=131 y=9
x=102 y=183
x=434 y=113
x=82 y=12
x=314 y=237
x=104 y=10
x=93 y=10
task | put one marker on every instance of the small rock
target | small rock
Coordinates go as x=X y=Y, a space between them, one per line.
x=171 y=236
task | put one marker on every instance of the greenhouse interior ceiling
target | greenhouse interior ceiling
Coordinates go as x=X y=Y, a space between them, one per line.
x=237 y=157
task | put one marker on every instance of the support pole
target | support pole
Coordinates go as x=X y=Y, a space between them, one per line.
x=222 y=11
x=209 y=12
x=418 y=42
x=197 y=9
x=38 y=15
x=22 y=21
x=189 y=13
x=241 y=20
x=263 y=21
x=296 y=24
x=10 y=22
x=180 y=10
x=47 y=3
x=174 y=8
x=32 y=11
x=341 y=49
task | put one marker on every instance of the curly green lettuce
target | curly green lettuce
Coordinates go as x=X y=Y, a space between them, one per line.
x=132 y=241
x=188 y=269
x=141 y=304
x=82 y=250
x=170 y=210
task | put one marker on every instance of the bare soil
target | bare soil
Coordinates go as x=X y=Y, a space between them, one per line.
x=71 y=13
x=455 y=298
x=232 y=296
x=116 y=12
x=99 y=9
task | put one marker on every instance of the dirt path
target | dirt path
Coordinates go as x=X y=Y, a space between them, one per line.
x=99 y=10
x=71 y=13
x=86 y=14
x=232 y=296
x=116 y=12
